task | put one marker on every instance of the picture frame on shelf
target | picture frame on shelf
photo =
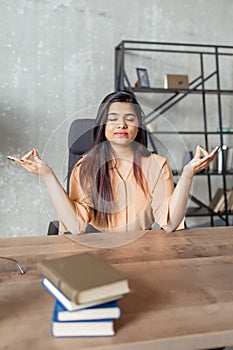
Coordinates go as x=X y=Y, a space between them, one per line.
x=143 y=78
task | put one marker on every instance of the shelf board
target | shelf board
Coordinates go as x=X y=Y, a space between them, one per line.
x=198 y=211
x=206 y=172
x=177 y=91
x=192 y=132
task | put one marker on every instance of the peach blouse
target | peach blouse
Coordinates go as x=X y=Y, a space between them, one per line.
x=132 y=209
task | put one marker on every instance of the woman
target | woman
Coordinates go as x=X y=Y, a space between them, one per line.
x=119 y=185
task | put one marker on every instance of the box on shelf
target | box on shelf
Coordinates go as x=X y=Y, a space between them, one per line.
x=176 y=81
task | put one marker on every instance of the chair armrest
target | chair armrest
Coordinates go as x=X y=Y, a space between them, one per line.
x=53 y=228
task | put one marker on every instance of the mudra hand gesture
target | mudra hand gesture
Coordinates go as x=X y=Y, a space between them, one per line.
x=35 y=166
x=200 y=161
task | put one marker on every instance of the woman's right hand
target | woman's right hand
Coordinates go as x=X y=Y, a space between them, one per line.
x=35 y=166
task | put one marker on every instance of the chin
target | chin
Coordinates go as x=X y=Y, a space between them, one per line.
x=121 y=142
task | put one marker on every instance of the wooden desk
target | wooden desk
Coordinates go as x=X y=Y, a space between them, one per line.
x=182 y=292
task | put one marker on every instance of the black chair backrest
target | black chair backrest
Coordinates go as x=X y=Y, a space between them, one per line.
x=80 y=141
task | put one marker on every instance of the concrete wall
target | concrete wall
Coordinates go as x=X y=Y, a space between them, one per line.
x=56 y=64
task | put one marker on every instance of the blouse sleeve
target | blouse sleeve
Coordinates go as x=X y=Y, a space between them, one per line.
x=161 y=197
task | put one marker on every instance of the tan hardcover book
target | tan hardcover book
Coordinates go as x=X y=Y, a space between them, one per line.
x=222 y=206
x=230 y=200
x=176 y=81
x=84 y=278
x=215 y=200
x=219 y=204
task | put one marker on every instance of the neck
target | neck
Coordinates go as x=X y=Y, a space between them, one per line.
x=122 y=151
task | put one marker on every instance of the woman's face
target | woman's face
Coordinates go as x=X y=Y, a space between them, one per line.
x=122 y=123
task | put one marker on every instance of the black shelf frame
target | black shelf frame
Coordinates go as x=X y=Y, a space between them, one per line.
x=197 y=86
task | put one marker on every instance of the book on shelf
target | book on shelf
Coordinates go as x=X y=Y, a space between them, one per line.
x=230 y=201
x=229 y=160
x=80 y=328
x=222 y=204
x=214 y=204
x=223 y=160
x=218 y=202
x=104 y=311
x=68 y=303
x=83 y=278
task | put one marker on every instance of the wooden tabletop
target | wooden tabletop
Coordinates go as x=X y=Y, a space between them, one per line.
x=181 y=298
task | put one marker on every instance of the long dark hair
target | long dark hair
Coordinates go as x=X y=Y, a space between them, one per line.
x=97 y=163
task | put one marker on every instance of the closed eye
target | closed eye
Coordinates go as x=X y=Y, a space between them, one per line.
x=112 y=119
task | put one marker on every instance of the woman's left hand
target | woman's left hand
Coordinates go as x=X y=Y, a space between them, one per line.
x=201 y=160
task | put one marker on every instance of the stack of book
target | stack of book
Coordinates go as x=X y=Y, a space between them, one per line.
x=86 y=292
x=218 y=202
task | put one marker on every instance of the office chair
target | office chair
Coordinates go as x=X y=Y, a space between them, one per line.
x=80 y=141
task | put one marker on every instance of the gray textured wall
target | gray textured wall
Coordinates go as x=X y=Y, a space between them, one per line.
x=57 y=62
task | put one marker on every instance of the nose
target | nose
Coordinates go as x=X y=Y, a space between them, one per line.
x=122 y=124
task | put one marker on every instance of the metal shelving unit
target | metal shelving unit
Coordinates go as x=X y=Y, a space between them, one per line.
x=172 y=97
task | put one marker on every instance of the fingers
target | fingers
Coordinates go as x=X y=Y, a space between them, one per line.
x=215 y=150
x=25 y=163
x=11 y=158
x=210 y=156
x=16 y=160
x=200 y=150
x=25 y=160
x=35 y=155
x=197 y=153
x=204 y=151
x=200 y=163
x=35 y=166
x=22 y=160
x=27 y=156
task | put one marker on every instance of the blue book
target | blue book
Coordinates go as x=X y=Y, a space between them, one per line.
x=84 y=328
x=103 y=311
x=69 y=304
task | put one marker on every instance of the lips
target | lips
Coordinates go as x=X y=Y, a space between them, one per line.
x=121 y=134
